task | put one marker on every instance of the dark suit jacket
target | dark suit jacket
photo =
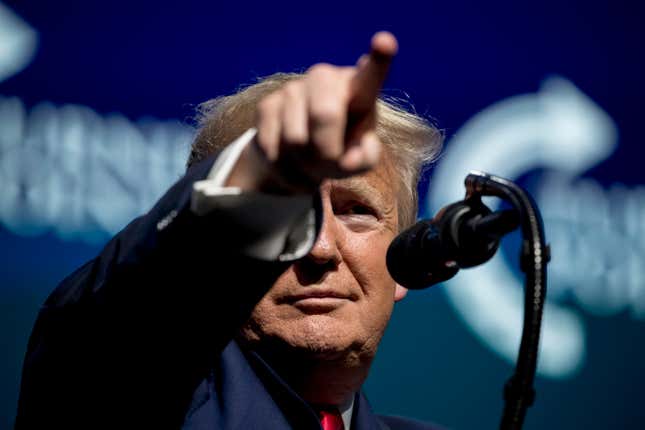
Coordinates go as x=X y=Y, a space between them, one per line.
x=141 y=336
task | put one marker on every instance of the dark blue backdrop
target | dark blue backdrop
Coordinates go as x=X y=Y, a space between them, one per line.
x=116 y=80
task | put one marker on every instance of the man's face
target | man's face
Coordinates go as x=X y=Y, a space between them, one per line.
x=335 y=302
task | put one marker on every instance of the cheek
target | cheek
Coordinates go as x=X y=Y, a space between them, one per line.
x=365 y=258
x=267 y=318
x=260 y=322
x=370 y=271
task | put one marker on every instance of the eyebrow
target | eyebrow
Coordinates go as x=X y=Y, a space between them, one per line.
x=362 y=188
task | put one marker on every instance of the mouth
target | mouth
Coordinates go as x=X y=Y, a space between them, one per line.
x=318 y=301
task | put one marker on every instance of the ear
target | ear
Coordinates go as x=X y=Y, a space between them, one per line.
x=399 y=292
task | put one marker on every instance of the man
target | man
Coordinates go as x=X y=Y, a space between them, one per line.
x=255 y=293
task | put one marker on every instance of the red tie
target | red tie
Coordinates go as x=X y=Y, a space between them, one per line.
x=330 y=419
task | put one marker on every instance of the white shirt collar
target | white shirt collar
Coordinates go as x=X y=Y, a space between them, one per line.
x=346 y=410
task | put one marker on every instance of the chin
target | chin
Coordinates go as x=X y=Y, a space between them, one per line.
x=322 y=336
x=319 y=337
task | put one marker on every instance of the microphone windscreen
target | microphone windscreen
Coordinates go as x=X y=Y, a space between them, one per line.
x=413 y=260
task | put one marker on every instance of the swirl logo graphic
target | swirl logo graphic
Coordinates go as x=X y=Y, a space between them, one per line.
x=558 y=129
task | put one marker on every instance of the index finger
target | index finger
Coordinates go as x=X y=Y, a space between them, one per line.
x=371 y=73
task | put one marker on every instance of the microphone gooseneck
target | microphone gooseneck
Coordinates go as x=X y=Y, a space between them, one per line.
x=466 y=234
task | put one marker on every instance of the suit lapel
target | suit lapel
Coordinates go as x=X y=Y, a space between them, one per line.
x=363 y=417
x=236 y=396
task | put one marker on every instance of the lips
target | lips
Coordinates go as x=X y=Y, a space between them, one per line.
x=318 y=294
x=316 y=301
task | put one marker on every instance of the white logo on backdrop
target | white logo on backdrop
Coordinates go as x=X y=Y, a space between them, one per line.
x=18 y=43
x=70 y=170
x=596 y=234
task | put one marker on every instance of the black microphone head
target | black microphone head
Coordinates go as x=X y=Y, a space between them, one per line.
x=410 y=259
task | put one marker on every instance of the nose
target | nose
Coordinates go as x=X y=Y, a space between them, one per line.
x=325 y=255
x=325 y=250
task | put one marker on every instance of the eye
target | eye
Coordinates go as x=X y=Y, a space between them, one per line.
x=358 y=209
x=354 y=208
x=357 y=217
x=356 y=213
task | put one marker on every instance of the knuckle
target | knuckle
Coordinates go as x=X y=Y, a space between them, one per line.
x=269 y=104
x=267 y=144
x=327 y=113
x=295 y=137
x=330 y=152
x=321 y=70
x=292 y=89
x=264 y=137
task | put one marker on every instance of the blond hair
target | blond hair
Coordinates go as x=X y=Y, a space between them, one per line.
x=410 y=140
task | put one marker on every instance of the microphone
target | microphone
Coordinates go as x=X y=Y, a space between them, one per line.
x=463 y=234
